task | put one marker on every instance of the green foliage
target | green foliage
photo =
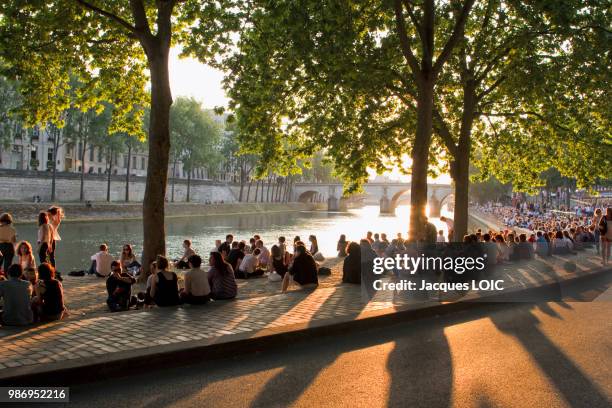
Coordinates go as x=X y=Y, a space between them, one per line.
x=195 y=136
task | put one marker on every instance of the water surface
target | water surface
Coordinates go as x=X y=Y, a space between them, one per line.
x=81 y=239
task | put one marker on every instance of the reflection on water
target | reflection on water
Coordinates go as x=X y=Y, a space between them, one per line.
x=81 y=239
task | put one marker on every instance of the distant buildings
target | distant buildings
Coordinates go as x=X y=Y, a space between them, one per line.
x=33 y=150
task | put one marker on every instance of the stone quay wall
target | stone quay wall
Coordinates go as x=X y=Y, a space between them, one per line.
x=23 y=186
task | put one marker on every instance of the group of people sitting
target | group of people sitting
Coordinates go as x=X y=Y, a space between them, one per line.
x=31 y=297
x=555 y=232
x=254 y=259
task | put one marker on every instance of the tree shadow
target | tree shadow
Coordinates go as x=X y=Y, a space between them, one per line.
x=574 y=385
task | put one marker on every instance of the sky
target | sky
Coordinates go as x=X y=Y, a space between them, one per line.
x=189 y=77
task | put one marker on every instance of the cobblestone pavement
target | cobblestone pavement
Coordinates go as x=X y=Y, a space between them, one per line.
x=94 y=333
x=86 y=295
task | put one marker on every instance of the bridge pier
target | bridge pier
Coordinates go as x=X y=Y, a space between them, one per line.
x=386 y=205
x=435 y=206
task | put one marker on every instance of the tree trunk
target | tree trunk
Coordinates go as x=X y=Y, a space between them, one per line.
x=188 y=185
x=159 y=149
x=268 y=190
x=261 y=193
x=127 y=174
x=173 y=180
x=56 y=133
x=420 y=156
x=248 y=195
x=82 y=190
x=256 y=189
x=110 y=169
x=241 y=183
x=462 y=162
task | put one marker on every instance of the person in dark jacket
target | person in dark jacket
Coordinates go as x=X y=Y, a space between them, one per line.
x=351 y=269
x=119 y=288
x=303 y=271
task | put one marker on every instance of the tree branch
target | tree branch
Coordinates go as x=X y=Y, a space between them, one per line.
x=539 y=116
x=455 y=36
x=441 y=128
x=140 y=17
x=108 y=14
x=404 y=40
x=487 y=91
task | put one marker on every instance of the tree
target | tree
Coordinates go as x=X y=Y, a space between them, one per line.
x=355 y=77
x=508 y=61
x=230 y=151
x=195 y=138
x=107 y=45
x=10 y=124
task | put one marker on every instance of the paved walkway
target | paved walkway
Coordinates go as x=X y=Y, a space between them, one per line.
x=90 y=333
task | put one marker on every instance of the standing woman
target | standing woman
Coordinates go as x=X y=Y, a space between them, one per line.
x=605 y=228
x=8 y=238
x=45 y=238
x=596 y=220
x=55 y=218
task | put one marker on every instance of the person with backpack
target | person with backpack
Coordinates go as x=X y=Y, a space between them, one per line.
x=605 y=230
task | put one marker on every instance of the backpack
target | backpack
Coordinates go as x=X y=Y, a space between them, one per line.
x=324 y=271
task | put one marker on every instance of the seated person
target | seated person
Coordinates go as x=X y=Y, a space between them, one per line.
x=249 y=266
x=197 y=288
x=303 y=271
x=101 y=262
x=221 y=278
x=236 y=254
x=541 y=245
x=341 y=247
x=164 y=284
x=278 y=263
x=119 y=288
x=226 y=246
x=16 y=294
x=48 y=303
x=188 y=251
x=264 y=254
x=144 y=298
x=351 y=269
x=524 y=249
x=30 y=275
x=128 y=259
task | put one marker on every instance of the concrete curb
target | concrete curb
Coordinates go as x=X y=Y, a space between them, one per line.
x=131 y=362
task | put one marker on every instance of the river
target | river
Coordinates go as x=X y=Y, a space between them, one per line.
x=81 y=239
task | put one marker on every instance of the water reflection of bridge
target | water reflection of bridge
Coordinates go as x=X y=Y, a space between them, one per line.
x=387 y=195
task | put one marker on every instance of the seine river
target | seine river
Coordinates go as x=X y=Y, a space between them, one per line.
x=81 y=239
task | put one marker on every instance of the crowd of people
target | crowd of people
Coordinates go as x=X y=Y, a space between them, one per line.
x=34 y=293
x=554 y=232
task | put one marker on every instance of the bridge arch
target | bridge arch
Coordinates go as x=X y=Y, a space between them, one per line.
x=309 y=196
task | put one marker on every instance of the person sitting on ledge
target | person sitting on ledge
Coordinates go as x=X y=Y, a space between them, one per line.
x=226 y=246
x=249 y=266
x=236 y=254
x=351 y=269
x=164 y=284
x=101 y=262
x=119 y=288
x=221 y=278
x=128 y=260
x=277 y=264
x=183 y=262
x=264 y=254
x=48 y=304
x=197 y=288
x=16 y=295
x=303 y=271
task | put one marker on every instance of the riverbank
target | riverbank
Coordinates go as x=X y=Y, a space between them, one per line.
x=102 y=211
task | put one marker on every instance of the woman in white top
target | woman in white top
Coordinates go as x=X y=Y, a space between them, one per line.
x=45 y=239
x=55 y=218
x=25 y=255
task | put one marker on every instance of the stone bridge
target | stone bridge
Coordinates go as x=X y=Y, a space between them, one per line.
x=387 y=195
